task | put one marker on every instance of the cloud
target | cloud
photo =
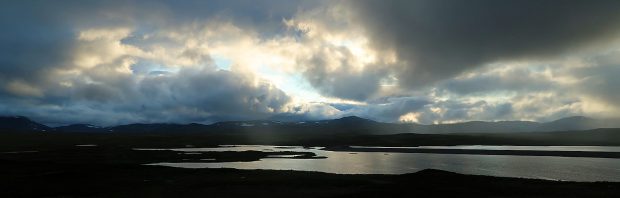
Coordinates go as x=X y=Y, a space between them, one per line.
x=391 y=109
x=191 y=95
x=224 y=94
x=506 y=78
x=117 y=62
x=336 y=58
x=308 y=111
x=332 y=72
x=440 y=39
x=536 y=107
x=118 y=73
x=599 y=80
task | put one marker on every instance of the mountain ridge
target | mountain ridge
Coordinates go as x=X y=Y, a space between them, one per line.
x=348 y=124
x=21 y=124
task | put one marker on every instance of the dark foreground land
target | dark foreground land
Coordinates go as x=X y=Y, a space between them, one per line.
x=48 y=165
x=25 y=179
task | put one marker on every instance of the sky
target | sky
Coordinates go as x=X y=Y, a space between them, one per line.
x=203 y=61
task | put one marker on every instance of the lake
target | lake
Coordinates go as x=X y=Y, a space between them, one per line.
x=340 y=162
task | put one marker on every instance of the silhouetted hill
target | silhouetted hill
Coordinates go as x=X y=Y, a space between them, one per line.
x=600 y=137
x=351 y=125
x=21 y=124
x=251 y=123
x=343 y=131
x=577 y=123
x=564 y=124
x=158 y=128
x=478 y=127
x=352 y=120
x=86 y=128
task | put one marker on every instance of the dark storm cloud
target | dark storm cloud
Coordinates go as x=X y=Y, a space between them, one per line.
x=459 y=110
x=440 y=38
x=446 y=111
x=192 y=95
x=31 y=42
x=264 y=16
x=601 y=79
x=39 y=37
x=221 y=93
x=344 y=81
x=513 y=79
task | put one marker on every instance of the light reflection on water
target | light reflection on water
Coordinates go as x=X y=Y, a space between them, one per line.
x=514 y=148
x=543 y=167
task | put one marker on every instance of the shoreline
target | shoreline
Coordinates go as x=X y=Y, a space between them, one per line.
x=593 y=154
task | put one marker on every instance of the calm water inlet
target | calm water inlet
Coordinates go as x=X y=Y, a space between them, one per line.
x=541 y=167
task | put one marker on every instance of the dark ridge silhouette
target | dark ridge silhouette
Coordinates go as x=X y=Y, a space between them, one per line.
x=353 y=120
x=86 y=128
x=576 y=123
x=102 y=180
x=21 y=124
x=344 y=125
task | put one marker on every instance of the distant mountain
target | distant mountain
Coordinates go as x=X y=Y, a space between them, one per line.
x=86 y=128
x=251 y=123
x=577 y=123
x=478 y=127
x=342 y=126
x=600 y=137
x=21 y=124
x=565 y=124
x=158 y=128
x=352 y=120
x=349 y=124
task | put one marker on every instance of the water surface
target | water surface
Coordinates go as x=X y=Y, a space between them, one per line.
x=541 y=167
x=513 y=148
